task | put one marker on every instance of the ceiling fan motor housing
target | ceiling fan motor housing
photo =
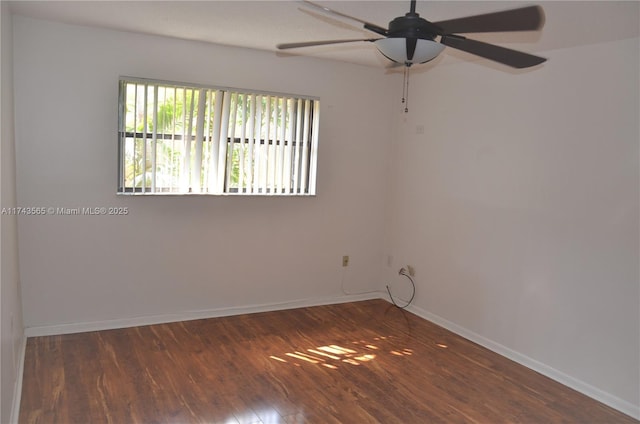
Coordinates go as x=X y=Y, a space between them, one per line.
x=412 y=25
x=417 y=35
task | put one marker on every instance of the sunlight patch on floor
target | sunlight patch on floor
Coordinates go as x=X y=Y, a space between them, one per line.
x=330 y=355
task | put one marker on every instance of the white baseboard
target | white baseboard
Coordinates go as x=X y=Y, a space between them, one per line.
x=82 y=327
x=17 y=389
x=562 y=378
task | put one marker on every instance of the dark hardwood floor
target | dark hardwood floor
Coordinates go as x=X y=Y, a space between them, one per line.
x=362 y=362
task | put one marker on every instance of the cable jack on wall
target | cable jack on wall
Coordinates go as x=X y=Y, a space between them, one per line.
x=413 y=288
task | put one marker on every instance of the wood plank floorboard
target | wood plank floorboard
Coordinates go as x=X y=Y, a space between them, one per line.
x=360 y=362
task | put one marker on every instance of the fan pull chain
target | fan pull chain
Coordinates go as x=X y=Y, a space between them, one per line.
x=405 y=89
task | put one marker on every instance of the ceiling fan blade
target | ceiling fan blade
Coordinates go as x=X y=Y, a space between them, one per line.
x=523 y=19
x=286 y=46
x=367 y=25
x=513 y=58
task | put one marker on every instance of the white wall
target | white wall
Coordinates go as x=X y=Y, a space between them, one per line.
x=11 y=329
x=173 y=255
x=518 y=206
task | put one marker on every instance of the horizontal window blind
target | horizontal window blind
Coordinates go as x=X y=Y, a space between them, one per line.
x=185 y=139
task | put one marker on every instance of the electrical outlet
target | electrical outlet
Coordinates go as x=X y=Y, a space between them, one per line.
x=411 y=270
x=345 y=260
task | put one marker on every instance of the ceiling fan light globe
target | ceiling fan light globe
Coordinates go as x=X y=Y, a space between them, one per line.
x=396 y=49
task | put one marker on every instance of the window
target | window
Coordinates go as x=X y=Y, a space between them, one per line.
x=186 y=139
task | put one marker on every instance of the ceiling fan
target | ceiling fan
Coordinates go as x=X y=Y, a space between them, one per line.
x=411 y=39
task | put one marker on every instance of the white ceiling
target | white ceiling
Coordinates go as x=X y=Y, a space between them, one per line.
x=263 y=24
